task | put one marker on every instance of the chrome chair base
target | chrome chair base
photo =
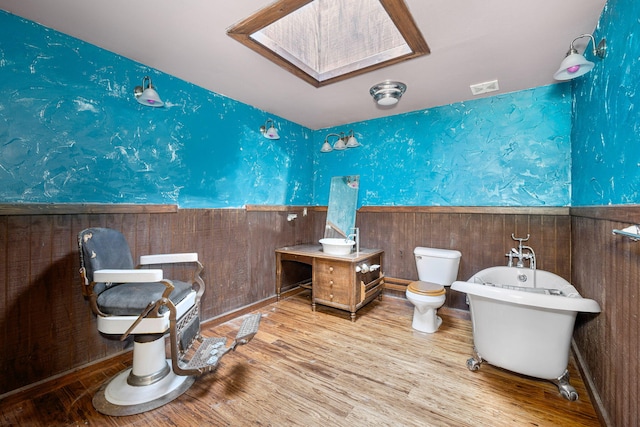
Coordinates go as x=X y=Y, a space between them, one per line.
x=118 y=398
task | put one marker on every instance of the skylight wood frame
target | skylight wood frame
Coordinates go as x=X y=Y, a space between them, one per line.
x=396 y=9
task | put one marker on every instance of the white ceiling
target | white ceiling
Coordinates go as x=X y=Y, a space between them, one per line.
x=519 y=43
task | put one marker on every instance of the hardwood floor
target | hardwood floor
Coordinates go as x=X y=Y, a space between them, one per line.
x=307 y=368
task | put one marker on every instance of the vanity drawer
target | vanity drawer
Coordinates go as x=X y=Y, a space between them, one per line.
x=331 y=293
x=332 y=281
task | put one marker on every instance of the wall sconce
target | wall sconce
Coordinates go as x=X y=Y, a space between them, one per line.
x=387 y=93
x=147 y=95
x=342 y=143
x=352 y=142
x=269 y=132
x=576 y=65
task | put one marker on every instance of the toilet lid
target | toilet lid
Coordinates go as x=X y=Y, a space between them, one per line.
x=426 y=288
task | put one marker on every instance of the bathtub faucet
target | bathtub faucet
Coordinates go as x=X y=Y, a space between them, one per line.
x=531 y=256
x=520 y=254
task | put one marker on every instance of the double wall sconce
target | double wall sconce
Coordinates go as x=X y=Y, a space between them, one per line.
x=269 y=131
x=576 y=65
x=341 y=143
x=147 y=95
x=387 y=93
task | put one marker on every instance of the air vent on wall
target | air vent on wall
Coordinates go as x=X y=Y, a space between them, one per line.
x=480 y=88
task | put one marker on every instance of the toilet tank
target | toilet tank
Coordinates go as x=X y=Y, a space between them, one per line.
x=437 y=265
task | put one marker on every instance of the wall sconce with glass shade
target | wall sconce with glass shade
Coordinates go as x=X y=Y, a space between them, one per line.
x=575 y=65
x=342 y=142
x=269 y=131
x=146 y=94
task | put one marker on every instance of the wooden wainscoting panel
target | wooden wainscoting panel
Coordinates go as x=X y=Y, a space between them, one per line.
x=16 y=321
x=482 y=238
x=270 y=230
x=42 y=296
x=606 y=267
x=228 y=268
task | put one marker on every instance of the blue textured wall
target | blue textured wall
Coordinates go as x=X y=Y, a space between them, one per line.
x=506 y=150
x=71 y=131
x=606 y=129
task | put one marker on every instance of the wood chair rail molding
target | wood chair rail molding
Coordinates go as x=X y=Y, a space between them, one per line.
x=284 y=208
x=624 y=212
x=500 y=210
x=81 y=208
x=621 y=213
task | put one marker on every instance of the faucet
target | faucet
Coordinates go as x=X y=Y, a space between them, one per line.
x=531 y=256
x=356 y=237
x=520 y=254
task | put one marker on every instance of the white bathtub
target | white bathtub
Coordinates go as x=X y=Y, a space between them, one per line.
x=520 y=330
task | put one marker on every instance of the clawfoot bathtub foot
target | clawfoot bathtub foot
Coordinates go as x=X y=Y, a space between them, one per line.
x=566 y=390
x=473 y=363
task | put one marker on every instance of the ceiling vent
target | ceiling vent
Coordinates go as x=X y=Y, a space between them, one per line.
x=486 y=87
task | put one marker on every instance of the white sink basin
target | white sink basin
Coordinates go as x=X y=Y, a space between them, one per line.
x=337 y=246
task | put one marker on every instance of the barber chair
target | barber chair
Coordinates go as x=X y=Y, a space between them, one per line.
x=142 y=303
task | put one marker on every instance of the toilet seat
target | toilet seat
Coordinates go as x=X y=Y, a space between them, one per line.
x=426 y=288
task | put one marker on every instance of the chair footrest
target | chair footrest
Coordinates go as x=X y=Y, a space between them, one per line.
x=208 y=354
x=248 y=328
x=206 y=357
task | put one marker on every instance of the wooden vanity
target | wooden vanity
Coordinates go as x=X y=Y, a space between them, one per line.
x=346 y=282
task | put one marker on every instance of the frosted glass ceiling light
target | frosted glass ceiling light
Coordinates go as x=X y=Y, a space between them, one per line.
x=147 y=95
x=576 y=65
x=387 y=93
x=269 y=132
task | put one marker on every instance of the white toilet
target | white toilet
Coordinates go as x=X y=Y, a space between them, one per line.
x=437 y=268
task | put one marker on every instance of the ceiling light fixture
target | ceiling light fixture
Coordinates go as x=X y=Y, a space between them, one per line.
x=342 y=143
x=269 y=132
x=352 y=142
x=147 y=95
x=387 y=93
x=576 y=65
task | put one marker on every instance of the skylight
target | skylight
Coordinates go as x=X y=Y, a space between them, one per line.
x=324 y=41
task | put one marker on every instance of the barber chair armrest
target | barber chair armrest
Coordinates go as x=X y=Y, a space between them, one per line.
x=128 y=276
x=176 y=258
x=168 y=258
